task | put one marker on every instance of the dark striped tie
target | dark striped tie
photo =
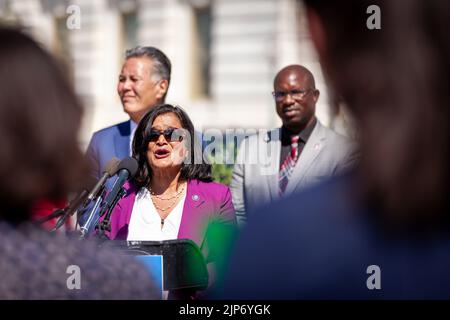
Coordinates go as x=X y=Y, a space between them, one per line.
x=288 y=165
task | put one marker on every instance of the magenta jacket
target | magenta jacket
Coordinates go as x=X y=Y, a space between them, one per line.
x=206 y=202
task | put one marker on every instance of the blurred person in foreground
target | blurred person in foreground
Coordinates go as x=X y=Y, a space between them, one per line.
x=172 y=195
x=383 y=231
x=40 y=159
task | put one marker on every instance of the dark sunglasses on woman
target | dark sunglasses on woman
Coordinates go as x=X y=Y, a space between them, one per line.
x=170 y=134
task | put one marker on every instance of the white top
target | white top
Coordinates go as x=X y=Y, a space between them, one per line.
x=145 y=222
x=133 y=126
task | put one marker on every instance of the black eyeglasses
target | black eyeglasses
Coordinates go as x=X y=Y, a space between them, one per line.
x=295 y=94
x=170 y=134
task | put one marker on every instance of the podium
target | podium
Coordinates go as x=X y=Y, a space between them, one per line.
x=184 y=267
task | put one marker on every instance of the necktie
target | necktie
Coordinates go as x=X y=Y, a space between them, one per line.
x=288 y=165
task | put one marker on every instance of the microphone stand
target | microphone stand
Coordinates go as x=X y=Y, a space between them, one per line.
x=54 y=214
x=91 y=215
x=70 y=209
x=105 y=225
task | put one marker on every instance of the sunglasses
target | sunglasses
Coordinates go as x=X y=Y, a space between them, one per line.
x=170 y=134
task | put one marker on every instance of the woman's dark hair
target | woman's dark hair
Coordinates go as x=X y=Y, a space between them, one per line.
x=39 y=121
x=194 y=168
x=395 y=82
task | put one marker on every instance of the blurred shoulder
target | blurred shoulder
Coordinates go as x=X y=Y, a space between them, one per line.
x=51 y=259
x=336 y=198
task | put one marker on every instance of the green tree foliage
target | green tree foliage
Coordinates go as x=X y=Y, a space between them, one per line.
x=222 y=173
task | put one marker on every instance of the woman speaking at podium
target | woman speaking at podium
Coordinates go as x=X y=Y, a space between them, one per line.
x=172 y=195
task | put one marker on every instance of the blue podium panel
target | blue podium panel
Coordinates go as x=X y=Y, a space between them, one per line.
x=183 y=265
x=154 y=264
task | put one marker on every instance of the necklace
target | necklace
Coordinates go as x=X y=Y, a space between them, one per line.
x=163 y=209
x=176 y=195
x=166 y=208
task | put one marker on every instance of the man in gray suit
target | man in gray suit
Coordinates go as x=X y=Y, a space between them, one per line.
x=302 y=152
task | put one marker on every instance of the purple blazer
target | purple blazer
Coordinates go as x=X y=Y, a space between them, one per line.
x=206 y=203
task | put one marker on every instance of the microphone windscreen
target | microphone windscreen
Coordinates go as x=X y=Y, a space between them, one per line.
x=112 y=167
x=130 y=164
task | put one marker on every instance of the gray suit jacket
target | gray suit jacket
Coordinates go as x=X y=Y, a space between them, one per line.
x=255 y=176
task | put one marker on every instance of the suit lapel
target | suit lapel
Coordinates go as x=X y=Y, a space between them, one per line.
x=269 y=173
x=312 y=149
x=192 y=216
x=122 y=141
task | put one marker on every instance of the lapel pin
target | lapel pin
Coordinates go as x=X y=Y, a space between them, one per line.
x=317 y=146
x=195 y=197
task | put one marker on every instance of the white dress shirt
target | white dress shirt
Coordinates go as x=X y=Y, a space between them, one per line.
x=145 y=222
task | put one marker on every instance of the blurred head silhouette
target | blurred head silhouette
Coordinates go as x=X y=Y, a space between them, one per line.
x=40 y=159
x=39 y=122
x=395 y=82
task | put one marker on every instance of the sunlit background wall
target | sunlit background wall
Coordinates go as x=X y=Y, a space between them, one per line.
x=225 y=54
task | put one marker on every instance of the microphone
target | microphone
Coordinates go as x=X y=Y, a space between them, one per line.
x=110 y=169
x=74 y=204
x=92 y=217
x=126 y=169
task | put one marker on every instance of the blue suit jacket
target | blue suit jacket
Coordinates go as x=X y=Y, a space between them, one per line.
x=107 y=143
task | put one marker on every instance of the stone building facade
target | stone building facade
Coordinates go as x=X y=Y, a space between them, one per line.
x=225 y=53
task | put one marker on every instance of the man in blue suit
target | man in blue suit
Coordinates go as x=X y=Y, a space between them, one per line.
x=143 y=83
